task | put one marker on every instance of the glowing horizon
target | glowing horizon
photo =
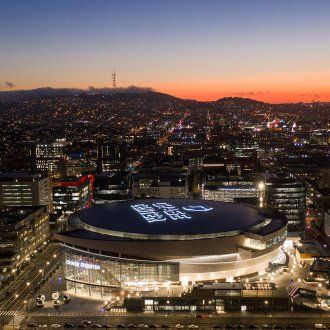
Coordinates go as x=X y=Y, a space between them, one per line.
x=199 y=94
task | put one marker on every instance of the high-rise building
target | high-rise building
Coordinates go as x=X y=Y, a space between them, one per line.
x=23 y=231
x=23 y=189
x=72 y=193
x=287 y=194
x=50 y=157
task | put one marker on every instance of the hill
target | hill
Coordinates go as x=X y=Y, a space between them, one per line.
x=132 y=92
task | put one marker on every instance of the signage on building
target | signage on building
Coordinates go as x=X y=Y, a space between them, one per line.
x=259 y=286
x=82 y=264
x=164 y=211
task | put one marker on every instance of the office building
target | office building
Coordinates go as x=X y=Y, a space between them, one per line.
x=111 y=157
x=23 y=231
x=232 y=189
x=112 y=186
x=50 y=158
x=72 y=193
x=23 y=189
x=287 y=194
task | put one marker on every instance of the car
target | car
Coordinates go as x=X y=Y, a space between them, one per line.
x=153 y=326
x=239 y=326
x=55 y=325
x=68 y=325
x=121 y=325
x=31 y=325
x=86 y=322
x=106 y=326
x=142 y=326
x=82 y=326
x=41 y=297
x=42 y=326
x=164 y=326
x=193 y=326
x=56 y=304
x=131 y=326
x=66 y=298
x=179 y=326
x=252 y=326
x=40 y=303
x=229 y=326
x=290 y=326
x=96 y=326
x=198 y=316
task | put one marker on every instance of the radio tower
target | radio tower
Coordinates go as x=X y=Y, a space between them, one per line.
x=113 y=78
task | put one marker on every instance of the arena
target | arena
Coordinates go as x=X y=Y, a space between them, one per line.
x=138 y=245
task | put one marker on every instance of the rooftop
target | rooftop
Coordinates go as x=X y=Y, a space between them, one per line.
x=173 y=219
x=20 y=176
x=13 y=215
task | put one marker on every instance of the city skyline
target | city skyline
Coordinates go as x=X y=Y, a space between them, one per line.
x=269 y=51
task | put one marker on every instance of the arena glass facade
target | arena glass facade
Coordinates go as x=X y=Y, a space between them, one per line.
x=97 y=275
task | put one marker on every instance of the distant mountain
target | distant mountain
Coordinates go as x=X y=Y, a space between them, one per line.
x=48 y=92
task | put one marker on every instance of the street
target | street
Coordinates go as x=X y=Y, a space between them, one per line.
x=28 y=281
x=299 y=320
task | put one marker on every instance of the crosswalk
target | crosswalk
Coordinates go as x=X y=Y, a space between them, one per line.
x=10 y=313
x=293 y=290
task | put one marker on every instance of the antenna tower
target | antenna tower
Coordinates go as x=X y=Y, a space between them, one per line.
x=113 y=78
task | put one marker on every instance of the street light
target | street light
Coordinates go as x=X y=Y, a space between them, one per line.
x=261 y=185
x=266 y=303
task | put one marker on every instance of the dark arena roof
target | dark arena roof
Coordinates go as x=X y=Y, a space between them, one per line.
x=170 y=219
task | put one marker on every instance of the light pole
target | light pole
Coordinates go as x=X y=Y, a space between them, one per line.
x=266 y=303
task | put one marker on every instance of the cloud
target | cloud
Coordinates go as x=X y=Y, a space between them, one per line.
x=9 y=84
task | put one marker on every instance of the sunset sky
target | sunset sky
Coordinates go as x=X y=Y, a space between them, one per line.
x=276 y=51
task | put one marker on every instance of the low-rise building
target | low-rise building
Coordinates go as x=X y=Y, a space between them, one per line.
x=216 y=298
x=161 y=182
x=231 y=189
x=112 y=186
